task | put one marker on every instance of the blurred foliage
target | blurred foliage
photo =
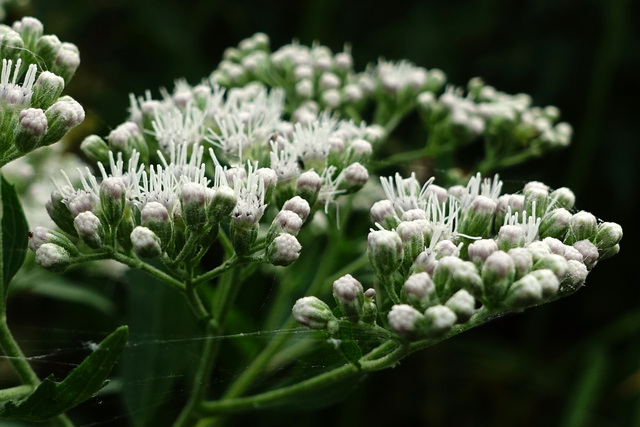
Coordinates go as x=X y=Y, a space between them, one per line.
x=578 y=358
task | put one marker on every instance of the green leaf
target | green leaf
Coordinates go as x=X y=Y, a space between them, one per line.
x=13 y=229
x=51 y=398
x=348 y=347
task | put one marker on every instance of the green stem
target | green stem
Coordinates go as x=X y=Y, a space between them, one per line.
x=211 y=274
x=386 y=355
x=161 y=275
x=270 y=397
x=14 y=353
x=15 y=392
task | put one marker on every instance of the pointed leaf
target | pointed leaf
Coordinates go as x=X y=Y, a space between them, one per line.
x=13 y=232
x=51 y=398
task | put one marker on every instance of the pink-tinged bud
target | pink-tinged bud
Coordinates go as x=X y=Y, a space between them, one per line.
x=312 y=313
x=299 y=206
x=439 y=319
x=89 y=229
x=406 y=321
x=498 y=273
x=348 y=293
x=463 y=304
x=420 y=291
x=145 y=242
x=385 y=251
x=284 y=250
x=53 y=257
x=589 y=252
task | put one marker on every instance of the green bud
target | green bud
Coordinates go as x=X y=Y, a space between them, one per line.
x=439 y=320
x=96 y=149
x=354 y=177
x=583 y=226
x=522 y=261
x=155 y=217
x=609 y=252
x=145 y=243
x=384 y=214
x=11 y=45
x=576 y=275
x=89 y=229
x=589 y=252
x=548 y=280
x=407 y=322
x=283 y=250
x=452 y=274
x=193 y=199
x=243 y=236
x=477 y=219
x=126 y=138
x=221 y=204
x=349 y=295
x=412 y=235
x=463 y=304
x=609 y=234
x=31 y=129
x=556 y=263
x=563 y=198
x=47 y=90
x=524 y=293
x=498 y=273
x=41 y=235
x=509 y=237
x=112 y=200
x=308 y=186
x=555 y=224
x=60 y=214
x=312 y=313
x=53 y=257
x=536 y=201
x=62 y=117
x=385 y=251
x=66 y=62
x=369 y=307
x=47 y=48
x=420 y=291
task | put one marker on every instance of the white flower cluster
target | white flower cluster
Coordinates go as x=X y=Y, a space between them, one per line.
x=442 y=253
x=33 y=114
x=494 y=115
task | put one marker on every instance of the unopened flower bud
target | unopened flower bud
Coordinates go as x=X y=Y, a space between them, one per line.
x=329 y=81
x=576 y=275
x=439 y=320
x=609 y=234
x=369 y=307
x=406 y=321
x=583 y=226
x=609 y=252
x=452 y=274
x=222 y=203
x=440 y=193
x=284 y=250
x=555 y=245
x=89 y=229
x=498 y=273
x=385 y=251
x=343 y=60
x=312 y=313
x=510 y=236
x=589 y=252
x=62 y=117
x=83 y=201
x=128 y=137
x=420 y=291
x=354 y=177
x=30 y=29
x=40 y=235
x=298 y=205
x=413 y=214
x=463 y=304
x=112 y=200
x=359 y=151
x=563 y=198
x=308 y=186
x=47 y=90
x=446 y=248
x=412 y=235
x=522 y=261
x=384 y=214
x=304 y=89
x=155 y=217
x=192 y=200
x=349 y=295
x=145 y=242
x=270 y=180
x=96 y=149
x=11 y=45
x=555 y=224
x=556 y=263
x=479 y=250
x=477 y=219
x=538 y=250
x=47 y=48
x=536 y=201
x=549 y=282
x=60 y=214
x=53 y=257
x=425 y=262
x=571 y=253
x=284 y=222
x=31 y=129
x=524 y=293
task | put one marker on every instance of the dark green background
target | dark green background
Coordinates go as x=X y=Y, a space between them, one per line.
x=571 y=363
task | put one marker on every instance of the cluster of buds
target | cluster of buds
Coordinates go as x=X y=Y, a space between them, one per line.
x=316 y=79
x=318 y=158
x=508 y=124
x=32 y=113
x=442 y=254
